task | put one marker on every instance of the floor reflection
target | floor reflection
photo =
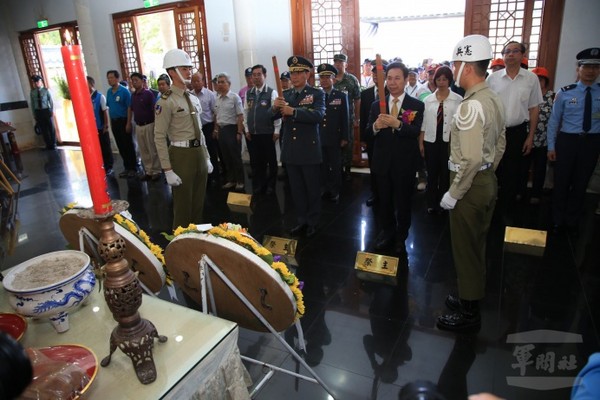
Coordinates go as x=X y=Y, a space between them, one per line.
x=365 y=339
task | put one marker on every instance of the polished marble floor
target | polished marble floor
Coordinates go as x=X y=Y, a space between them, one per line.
x=367 y=340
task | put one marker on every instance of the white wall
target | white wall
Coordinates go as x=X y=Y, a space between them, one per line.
x=580 y=30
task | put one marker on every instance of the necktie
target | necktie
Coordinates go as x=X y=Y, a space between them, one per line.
x=197 y=131
x=394 y=112
x=587 y=110
x=39 y=99
x=440 y=114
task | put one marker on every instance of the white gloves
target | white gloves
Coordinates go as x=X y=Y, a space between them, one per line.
x=448 y=202
x=209 y=166
x=172 y=178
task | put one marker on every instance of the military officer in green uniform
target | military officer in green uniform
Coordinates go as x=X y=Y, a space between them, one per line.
x=185 y=161
x=476 y=146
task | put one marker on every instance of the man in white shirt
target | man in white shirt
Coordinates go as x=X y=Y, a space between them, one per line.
x=521 y=95
x=207 y=101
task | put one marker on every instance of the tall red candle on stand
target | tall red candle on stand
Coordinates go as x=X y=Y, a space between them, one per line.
x=86 y=126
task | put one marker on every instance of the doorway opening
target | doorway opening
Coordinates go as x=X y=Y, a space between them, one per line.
x=56 y=82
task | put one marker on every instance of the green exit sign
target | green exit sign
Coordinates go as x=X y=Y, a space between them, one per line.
x=150 y=3
x=42 y=23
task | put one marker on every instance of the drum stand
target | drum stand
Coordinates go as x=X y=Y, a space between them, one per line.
x=206 y=265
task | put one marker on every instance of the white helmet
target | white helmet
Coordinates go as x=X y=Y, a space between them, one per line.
x=177 y=58
x=472 y=48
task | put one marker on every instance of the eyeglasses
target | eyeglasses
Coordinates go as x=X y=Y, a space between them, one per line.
x=513 y=51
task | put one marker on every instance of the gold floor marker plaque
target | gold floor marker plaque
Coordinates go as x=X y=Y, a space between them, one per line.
x=284 y=247
x=376 y=267
x=525 y=241
x=239 y=202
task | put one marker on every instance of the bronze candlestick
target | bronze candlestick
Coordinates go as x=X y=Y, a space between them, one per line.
x=123 y=294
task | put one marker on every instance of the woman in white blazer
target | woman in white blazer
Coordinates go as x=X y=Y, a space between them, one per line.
x=440 y=107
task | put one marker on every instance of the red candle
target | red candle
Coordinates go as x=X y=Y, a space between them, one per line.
x=86 y=127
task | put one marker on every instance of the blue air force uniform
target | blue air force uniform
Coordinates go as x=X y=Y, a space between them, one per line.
x=333 y=130
x=301 y=145
x=574 y=136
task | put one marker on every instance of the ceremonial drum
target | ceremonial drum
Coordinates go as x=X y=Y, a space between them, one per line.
x=138 y=255
x=253 y=277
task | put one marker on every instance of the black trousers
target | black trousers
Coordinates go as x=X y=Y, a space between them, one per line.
x=263 y=160
x=304 y=185
x=394 y=192
x=213 y=148
x=369 y=141
x=438 y=176
x=125 y=143
x=331 y=169
x=107 y=155
x=513 y=170
x=539 y=159
x=576 y=158
x=46 y=123
x=231 y=150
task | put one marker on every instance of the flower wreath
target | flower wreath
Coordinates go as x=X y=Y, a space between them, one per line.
x=238 y=235
x=132 y=227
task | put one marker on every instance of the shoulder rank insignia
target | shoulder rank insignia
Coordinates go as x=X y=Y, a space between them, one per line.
x=568 y=87
x=166 y=94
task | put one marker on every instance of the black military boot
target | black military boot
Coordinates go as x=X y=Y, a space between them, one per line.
x=465 y=319
x=452 y=302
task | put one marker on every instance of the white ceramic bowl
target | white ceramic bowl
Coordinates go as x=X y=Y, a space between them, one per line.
x=53 y=300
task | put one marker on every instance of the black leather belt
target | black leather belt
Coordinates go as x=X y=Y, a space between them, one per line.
x=143 y=123
x=520 y=126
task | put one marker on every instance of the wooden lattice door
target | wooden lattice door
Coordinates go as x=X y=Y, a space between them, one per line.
x=190 y=27
x=130 y=57
x=535 y=23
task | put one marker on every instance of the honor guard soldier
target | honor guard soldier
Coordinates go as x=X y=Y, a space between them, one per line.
x=333 y=132
x=302 y=108
x=574 y=139
x=185 y=161
x=477 y=141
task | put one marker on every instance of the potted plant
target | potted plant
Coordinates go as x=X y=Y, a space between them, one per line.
x=63 y=87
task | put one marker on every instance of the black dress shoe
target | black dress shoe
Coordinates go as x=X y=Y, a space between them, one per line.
x=370 y=201
x=383 y=241
x=298 y=229
x=460 y=321
x=452 y=302
x=270 y=191
x=334 y=198
x=325 y=195
x=311 y=231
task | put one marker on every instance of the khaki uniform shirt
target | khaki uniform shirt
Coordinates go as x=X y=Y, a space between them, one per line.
x=174 y=119
x=477 y=136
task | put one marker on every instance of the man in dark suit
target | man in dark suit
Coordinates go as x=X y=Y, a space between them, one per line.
x=334 y=133
x=367 y=97
x=395 y=157
x=302 y=109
